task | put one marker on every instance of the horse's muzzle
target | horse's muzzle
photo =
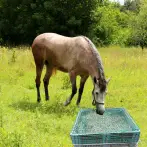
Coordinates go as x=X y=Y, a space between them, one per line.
x=100 y=109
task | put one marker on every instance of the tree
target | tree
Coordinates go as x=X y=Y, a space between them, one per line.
x=131 y=5
x=108 y=25
x=22 y=20
x=139 y=27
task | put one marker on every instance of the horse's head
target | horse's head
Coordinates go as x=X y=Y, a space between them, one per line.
x=99 y=92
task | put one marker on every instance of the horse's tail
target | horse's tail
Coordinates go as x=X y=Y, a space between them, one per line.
x=54 y=71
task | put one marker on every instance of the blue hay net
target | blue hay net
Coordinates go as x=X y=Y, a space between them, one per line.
x=115 y=126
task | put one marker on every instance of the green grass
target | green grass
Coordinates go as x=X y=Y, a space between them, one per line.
x=25 y=123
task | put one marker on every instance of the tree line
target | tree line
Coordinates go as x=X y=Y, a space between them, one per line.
x=102 y=21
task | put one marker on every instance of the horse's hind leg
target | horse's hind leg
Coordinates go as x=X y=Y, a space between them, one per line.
x=74 y=88
x=82 y=83
x=39 y=68
x=46 y=80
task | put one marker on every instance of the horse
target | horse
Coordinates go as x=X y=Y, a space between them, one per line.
x=77 y=56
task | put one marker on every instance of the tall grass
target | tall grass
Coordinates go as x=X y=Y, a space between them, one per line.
x=24 y=123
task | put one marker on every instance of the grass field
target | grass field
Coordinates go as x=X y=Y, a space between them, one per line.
x=24 y=123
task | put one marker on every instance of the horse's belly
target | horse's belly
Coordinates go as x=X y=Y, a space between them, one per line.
x=62 y=69
x=65 y=66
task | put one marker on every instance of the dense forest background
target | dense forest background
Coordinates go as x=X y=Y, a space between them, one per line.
x=105 y=22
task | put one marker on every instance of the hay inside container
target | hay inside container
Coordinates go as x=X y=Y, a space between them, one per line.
x=115 y=127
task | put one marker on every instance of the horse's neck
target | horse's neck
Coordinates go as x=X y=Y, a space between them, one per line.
x=96 y=70
x=93 y=71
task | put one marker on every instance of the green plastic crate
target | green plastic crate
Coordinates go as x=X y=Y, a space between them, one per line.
x=115 y=127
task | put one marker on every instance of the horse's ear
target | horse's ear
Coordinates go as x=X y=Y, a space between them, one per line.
x=108 y=80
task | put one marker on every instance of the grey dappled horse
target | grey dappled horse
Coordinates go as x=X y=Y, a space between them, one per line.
x=75 y=55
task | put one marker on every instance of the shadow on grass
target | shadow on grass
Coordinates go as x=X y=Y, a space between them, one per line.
x=56 y=108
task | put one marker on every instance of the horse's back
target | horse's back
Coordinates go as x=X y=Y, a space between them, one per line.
x=63 y=52
x=51 y=41
x=48 y=45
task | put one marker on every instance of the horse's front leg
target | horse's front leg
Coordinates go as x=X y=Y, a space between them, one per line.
x=82 y=83
x=74 y=88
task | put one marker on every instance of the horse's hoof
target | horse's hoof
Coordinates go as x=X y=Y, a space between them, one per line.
x=47 y=99
x=78 y=105
x=66 y=103
x=38 y=100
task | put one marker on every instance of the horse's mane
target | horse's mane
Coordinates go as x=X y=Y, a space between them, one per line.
x=99 y=62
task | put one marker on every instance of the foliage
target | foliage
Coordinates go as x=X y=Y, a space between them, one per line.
x=9 y=139
x=139 y=27
x=103 y=21
x=109 y=25
x=131 y=5
x=21 y=21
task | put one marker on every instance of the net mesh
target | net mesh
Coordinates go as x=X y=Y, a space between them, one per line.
x=111 y=122
x=114 y=127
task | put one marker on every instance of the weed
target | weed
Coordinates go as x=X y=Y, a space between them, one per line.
x=66 y=82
